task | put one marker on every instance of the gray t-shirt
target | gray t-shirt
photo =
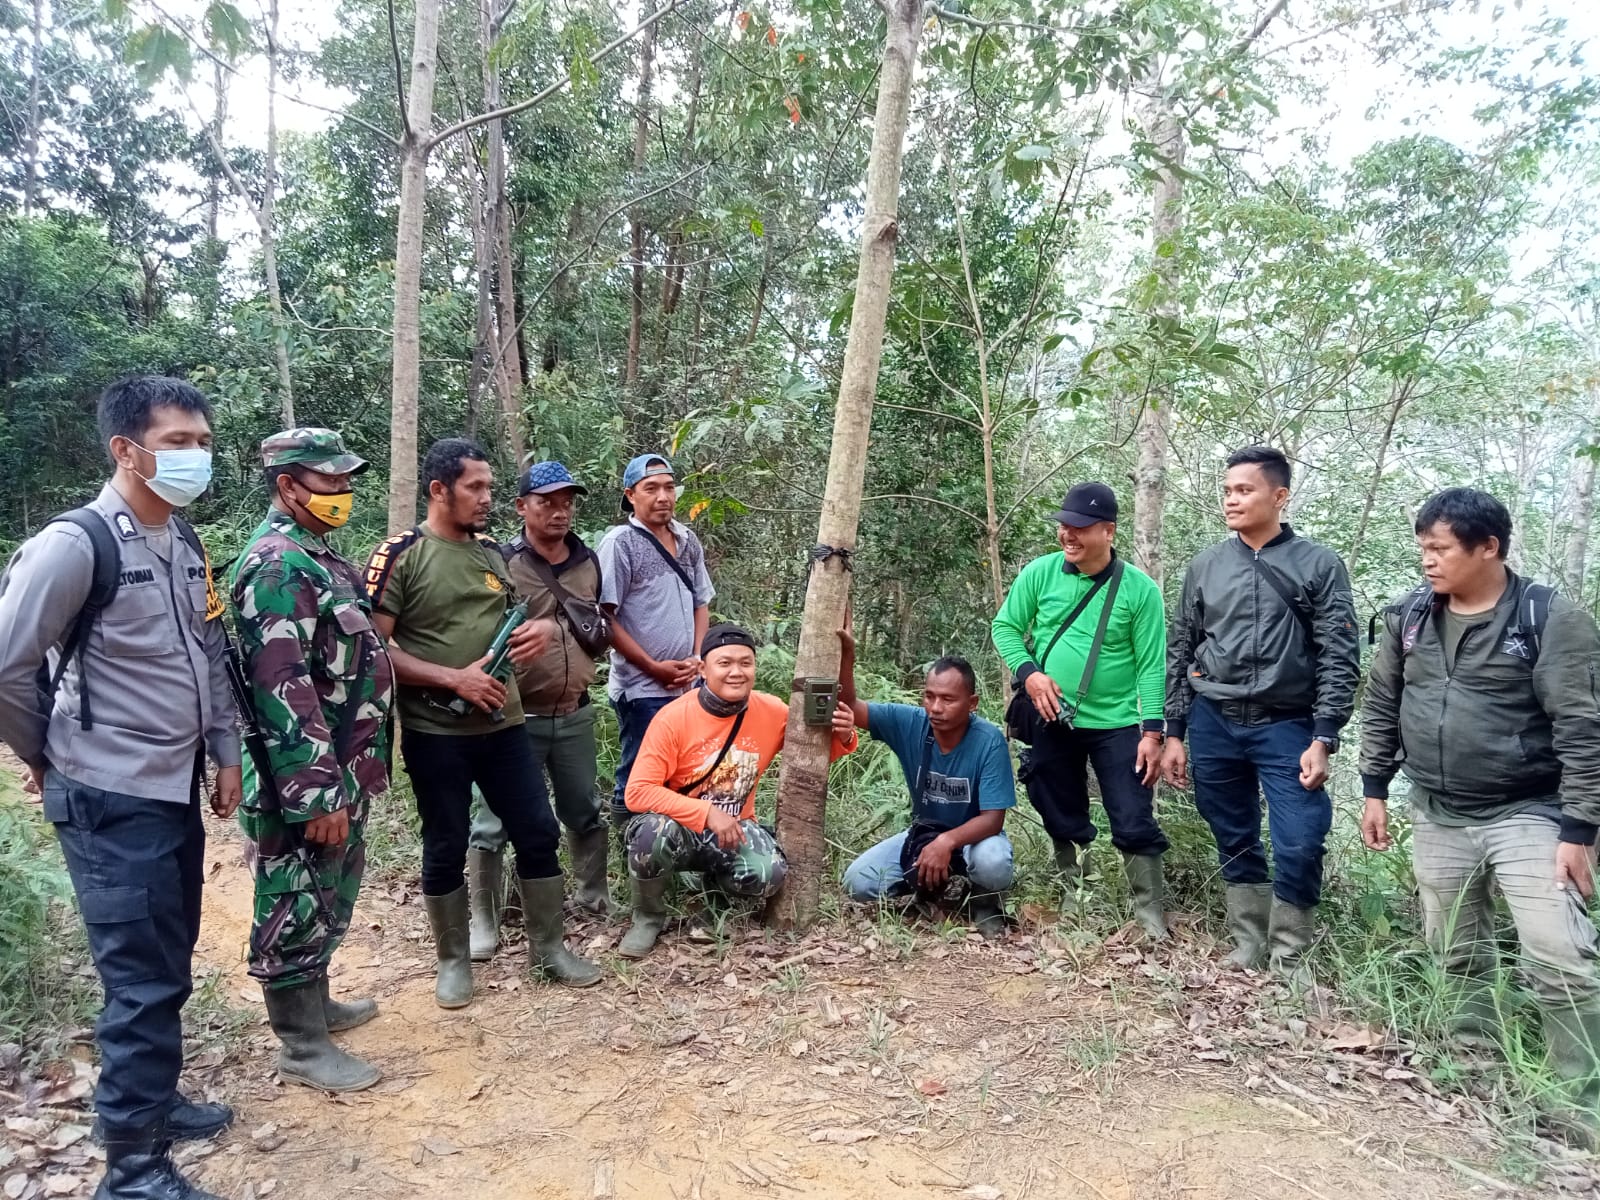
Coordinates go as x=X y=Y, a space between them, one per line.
x=650 y=601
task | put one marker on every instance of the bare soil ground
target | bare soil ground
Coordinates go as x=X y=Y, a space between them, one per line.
x=867 y=1060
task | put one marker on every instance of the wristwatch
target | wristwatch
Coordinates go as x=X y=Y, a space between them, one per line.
x=1332 y=743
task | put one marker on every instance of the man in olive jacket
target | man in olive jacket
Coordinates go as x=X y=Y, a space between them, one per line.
x=1262 y=665
x=1483 y=692
x=555 y=702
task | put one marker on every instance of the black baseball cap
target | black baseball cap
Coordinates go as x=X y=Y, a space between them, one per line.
x=1087 y=504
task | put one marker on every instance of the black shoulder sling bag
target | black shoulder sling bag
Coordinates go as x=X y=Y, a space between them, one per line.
x=1275 y=580
x=721 y=754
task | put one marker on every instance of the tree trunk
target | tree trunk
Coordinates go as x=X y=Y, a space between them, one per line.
x=803 y=781
x=1380 y=458
x=1166 y=227
x=30 y=150
x=1575 y=567
x=641 y=146
x=407 y=366
x=506 y=369
x=483 y=312
x=269 y=244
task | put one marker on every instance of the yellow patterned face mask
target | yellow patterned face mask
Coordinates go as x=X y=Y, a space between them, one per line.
x=333 y=510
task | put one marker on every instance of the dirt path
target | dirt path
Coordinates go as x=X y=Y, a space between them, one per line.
x=852 y=1064
x=838 y=1067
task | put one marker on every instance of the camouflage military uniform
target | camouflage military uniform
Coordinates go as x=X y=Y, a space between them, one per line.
x=658 y=845
x=323 y=686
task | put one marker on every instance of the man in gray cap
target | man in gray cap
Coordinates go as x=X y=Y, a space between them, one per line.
x=658 y=595
x=559 y=576
x=320 y=688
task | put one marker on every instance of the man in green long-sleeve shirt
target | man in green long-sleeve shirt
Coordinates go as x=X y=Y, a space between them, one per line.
x=1075 y=714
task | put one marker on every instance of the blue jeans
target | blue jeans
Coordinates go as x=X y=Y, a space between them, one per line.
x=136 y=866
x=877 y=872
x=1232 y=765
x=633 y=718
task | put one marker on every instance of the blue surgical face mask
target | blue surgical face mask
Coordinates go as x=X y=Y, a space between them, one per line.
x=181 y=475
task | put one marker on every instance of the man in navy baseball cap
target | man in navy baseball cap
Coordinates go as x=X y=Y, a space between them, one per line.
x=1087 y=504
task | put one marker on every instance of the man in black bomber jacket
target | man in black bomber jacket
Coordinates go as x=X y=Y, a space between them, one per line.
x=1483 y=692
x=1262 y=665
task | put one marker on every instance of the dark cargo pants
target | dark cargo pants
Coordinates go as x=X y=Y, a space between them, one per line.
x=136 y=866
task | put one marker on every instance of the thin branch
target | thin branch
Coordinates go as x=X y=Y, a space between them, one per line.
x=599 y=232
x=931 y=412
x=971 y=516
x=544 y=94
x=399 y=73
x=206 y=53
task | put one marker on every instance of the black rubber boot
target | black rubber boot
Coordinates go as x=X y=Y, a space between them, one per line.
x=988 y=913
x=308 y=1056
x=187 y=1121
x=345 y=1014
x=139 y=1166
x=548 y=955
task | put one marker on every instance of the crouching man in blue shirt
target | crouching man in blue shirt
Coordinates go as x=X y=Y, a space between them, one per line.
x=958 y=768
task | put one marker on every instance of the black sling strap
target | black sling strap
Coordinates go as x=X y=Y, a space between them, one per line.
x=677 y=567
x=1078 y=610
x=1093 y=660
x=1279 y=584
x=721 y=754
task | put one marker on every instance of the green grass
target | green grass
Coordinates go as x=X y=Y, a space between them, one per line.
x=44 y=991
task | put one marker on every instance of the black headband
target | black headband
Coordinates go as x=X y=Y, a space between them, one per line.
x=725 y=634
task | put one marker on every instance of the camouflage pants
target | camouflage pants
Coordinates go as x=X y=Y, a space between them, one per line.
x=303 y=903
x=657 y=844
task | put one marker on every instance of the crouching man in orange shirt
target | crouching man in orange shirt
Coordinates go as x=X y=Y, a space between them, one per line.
x=693 y=787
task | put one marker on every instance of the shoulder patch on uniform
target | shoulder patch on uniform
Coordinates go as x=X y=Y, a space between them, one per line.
x=125 y=527
x=382 y=563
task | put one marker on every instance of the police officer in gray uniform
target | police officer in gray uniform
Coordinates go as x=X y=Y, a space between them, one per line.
x=119 y=752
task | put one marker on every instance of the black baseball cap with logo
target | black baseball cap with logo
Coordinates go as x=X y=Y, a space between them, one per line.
x=1087 y=504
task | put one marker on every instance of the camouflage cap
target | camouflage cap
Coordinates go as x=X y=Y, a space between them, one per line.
x=320 y=450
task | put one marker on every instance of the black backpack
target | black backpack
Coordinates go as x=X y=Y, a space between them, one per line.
x=102 y=591
x=1524 y=635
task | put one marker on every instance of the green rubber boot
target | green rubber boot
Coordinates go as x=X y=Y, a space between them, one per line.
x=342 y=1015
x=548 y=955
x=593 y=891
x=308 y=1056
x=1249 y=910
x=1290 y=932
x=649 y=916
x=1148 y=890
x=452 y=943
x=486 y=878
x=1572 y=1040
x=1070 y=864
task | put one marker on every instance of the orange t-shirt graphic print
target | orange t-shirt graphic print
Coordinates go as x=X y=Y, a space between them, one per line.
x=684 y=740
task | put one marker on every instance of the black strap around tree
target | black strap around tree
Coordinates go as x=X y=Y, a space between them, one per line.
x=1277 y=583
x=721 y=754
x=1093 y=660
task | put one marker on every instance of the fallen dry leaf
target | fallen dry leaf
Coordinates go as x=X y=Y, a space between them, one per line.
x=15 y=1184
x=439 y=1146
x=932 y=1087
x=798 y=1049
x=983 y=1191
